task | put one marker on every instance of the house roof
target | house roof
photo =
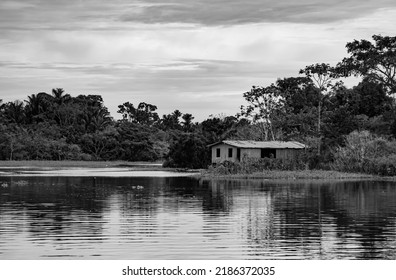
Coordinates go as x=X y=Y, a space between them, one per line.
x=262 y=144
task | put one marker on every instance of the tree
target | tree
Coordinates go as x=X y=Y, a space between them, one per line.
x=264 y=104
x=94 y=115
x=68 y=114
x=37 y=106
x=101 y=144
x=298 y=92
x=187 y=122
x=144 y=114
x=190 y=151
x=371 y=98
x=171 y=121
x=1 y=111
x=297 y=119
x=135 y=142
x=12 y=141
x=59 y=96
x=377 y=60
x=322 y=76
x=14 y=112
x=219 y=128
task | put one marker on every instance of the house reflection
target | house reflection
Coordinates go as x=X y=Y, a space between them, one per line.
x=181 y=217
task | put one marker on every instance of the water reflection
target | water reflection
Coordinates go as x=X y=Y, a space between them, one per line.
x=187 y=218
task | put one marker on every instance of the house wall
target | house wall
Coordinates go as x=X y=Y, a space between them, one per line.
x=223 y=153
x=280 y=153
x=287 y=153
x=249 y=153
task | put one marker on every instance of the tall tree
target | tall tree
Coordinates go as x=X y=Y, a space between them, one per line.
x=297 y=120
x=263 y=105
x=376 y=60
x=322 y=75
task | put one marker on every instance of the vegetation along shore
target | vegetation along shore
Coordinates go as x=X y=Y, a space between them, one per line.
x=290 y=175
x=210 y=173
x=345 y=129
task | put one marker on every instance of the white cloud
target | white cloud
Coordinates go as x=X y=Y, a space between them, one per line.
x=190 y=63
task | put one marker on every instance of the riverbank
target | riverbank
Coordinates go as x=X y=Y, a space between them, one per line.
x=48 y=164
x=102 y=166
x=299 y=174
x=90 y=169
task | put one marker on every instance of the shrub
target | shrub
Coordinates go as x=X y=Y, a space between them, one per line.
x=254 y=165
x=366 y=153
x=188 y=151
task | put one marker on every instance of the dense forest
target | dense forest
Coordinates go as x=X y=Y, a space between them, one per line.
x=350 y=129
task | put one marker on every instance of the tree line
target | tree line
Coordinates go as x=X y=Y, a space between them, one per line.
x=315 y=108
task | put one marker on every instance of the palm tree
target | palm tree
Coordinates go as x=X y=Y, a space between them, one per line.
x=96 y=119
x=101 y=119
x=37 y=106
x=187 y=123
x=59 y=96
x=14 y=112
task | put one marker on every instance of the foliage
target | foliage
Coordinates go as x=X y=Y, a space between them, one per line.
x=255 y=165
x=264 y=104
x=134 y=142
x=374 y=60
x=217 y=128
x=367 y=153
x=144 y=114
x=188 y=151
x=313 y=109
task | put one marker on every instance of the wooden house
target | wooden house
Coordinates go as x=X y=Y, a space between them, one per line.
x=234 y=150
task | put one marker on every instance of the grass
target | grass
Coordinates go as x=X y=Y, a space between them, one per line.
x=267 y=174
x=300 y=174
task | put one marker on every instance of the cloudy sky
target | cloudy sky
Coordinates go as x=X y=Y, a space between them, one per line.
x=197 y=56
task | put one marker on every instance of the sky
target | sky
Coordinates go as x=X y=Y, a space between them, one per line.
x=197 y=56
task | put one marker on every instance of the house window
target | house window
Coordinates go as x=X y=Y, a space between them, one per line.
x=268 y=153
x=230 y=152
x=218 y=152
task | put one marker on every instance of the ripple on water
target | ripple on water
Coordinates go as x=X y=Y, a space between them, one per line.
x=184 y=218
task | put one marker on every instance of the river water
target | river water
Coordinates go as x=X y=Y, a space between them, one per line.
x=73 y=217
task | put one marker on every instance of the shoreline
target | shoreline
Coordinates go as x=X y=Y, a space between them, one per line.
x=37 y=165
x=296 y=175
x=90 y=169
x=76 y=164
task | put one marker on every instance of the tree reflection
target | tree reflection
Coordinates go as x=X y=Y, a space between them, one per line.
x=238 y=218
x=314 y=219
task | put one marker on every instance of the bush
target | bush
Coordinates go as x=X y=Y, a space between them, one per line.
x=366 y=153
x=254 y=165
x=383 y=166
x=188 y=151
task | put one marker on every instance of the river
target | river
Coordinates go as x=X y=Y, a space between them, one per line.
x=173 y=217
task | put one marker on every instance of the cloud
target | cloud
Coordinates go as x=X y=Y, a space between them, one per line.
x=193 y=85
x=179 y=54
x=115 y=14
x=234 y=12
